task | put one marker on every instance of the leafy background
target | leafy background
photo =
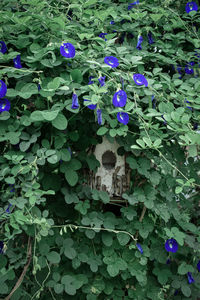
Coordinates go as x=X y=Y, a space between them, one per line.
x=48 y=232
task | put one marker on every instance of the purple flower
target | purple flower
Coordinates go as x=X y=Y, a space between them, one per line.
x=3 y=48
x=150 y=38
x=39 y=87
x=3 y=89
x=168 y=261
x=195 y=126
x=190 y=278
x=1 y=247
x=140 y=79
x=132 y=4
x=189 y=70
x=112 y=22
x=91 y=106
x=188 y=106
x=191 y=6
x=13 y=189
x=67 y=50
x=153 y=101
x=8 y=209
x=192 y=63
x=4 y=105
x=171 y=245
x=139 y=248
x=90 y=80
x=99 y=116
x=17 y=62
x=140 y=39
x=165 y=122
x=102 y=80
x=111 y=61
x=198 y=266
x=102 y=35
x=70 y=150
x=123 y=117
x=75 y=103
x=119 y=98
x=176 y=293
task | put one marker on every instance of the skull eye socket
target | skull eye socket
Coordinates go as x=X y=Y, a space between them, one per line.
x=108 y=160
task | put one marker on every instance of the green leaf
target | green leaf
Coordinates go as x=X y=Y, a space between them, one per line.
x=192 y=150
x=104 y=197
x=58 y=288
x=123 y=238
x=102 y=130
x=90 y=2
x=54 y=84
x=186 y=290
x=49 y=115
x=113 y=270
x=184 y=268
x=53 y=257
x=69 y=251
x=71 y=176
x=37 y=116
x=76 y=76
x=60 y=122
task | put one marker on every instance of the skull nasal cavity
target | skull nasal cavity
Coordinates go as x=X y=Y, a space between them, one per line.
x=108 y=160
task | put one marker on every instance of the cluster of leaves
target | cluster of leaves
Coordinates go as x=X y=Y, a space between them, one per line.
x=83 y=242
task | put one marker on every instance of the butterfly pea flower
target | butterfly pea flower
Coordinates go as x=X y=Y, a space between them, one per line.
x=3 y=89
x=91 y=106
x=139 y=43
x=75 y=103
x=3 y=48
x=189 y=70
x=8 y=209
x=13 y=189
x=191 y=6
x=67 y=50
x=188 y=106
x=39 y=87
x=140 y=79
x=171 y=245
x=102 y=35
x=150 y=38
x=119 y=98
x=195 y=126
x=198 y=266
x=1 y=247
x=99 y=116
x=90 y=80
x=139 y=248
x=176 y=293
x=132 y=4
x=17 y=62
x=192 y=63
x=4 y=105
x=168 y=261
x=190 y=278
x=102 y=80
x=112 y=22
x=111 y=61
x=123 y=117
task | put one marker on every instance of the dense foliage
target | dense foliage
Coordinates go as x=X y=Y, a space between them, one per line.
x=60 y=239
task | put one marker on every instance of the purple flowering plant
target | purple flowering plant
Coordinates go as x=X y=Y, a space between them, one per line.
x=119 y=98
x=139 y=43
x=3 y=48
x=123 y=117
x=171 y=245
x=67 y=50
x=111 y=61
x=190 y=6
x=17 y=62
